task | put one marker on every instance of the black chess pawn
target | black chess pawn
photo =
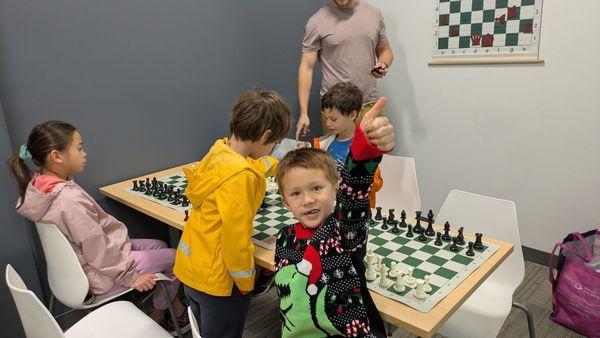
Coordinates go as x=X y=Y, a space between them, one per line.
x=187 y=215
x=163 y=196
x=454 y=247
x=403 y=219
x=418 y=228
x=171 y=197
x=142 y=186
x=478 y=243
x=438 y=239
x=470 y=251
x=422 y=237
x=409 y=233
x=395 y=228
x=391 y=217
x=384 y=224
x=378 y=215
x=446 y=235
x=185 y=202
x=460 y=238
x=135 y=186
x=177 y=200
x=148 y=191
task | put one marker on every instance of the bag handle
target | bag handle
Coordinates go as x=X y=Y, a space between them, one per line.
x=586 y=259
x=551 y=264
x=588 y=254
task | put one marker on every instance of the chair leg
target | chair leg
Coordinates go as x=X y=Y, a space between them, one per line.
x=529 y=318
x=51 y=303
x=170 y=307
x=390 y=329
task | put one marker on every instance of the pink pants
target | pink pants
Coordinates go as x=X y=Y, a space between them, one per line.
x=151 y=256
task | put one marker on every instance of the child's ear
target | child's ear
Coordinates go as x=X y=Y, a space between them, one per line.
x=284 y=201
x=354 y=115
x=55 y=156
x=265 y=136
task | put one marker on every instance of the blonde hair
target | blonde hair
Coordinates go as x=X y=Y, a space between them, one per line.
x=307 y=158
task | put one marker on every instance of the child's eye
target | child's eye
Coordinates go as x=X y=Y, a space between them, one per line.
x=317 y=188
x=294 y=194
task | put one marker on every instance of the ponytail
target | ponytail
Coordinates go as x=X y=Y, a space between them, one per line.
x=21 y=172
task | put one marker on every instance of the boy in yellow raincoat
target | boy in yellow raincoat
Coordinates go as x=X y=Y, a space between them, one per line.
x=215 y=257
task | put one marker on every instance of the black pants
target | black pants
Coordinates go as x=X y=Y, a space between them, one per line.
x=219 y=317
x=375 y=321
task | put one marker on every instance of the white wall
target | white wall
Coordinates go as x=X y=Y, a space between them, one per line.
x=527 y=133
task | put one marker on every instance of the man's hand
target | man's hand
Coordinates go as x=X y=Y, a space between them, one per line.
x=377 y=128
x=379 y=70
x=302 y=125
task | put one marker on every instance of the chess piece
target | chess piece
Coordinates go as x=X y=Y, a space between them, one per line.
x=391 y=217
x=478 y=243
x=142 y=186
x=378 y=215
x=446 y=235
x=135 y=186
x=460 y=238
x=148 y=191
x=422 y=237
x=417 y=229
x=379 y=264
x=410 y=280
x=383 y=281
x=430 y=216
x=371 y=219
x=187 y=215
x=399 y=285
x=438 y=239
x=384 y=224
x=393 y=270
x=409 y=233
x=426 y=285
x=370 y=274
x=470 y=251
x=171 y=197
x=148 y=182
x=395 y=228
x=177 y=200
x=454 y=247
x=403 y=219
x=419 y=291
x=185 y=202
x=430 y=231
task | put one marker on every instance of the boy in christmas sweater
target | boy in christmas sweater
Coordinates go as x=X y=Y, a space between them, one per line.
x=318 y=285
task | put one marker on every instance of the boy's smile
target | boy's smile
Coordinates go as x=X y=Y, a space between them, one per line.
x=309 y=195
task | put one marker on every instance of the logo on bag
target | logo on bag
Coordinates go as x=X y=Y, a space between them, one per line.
x=578 y=286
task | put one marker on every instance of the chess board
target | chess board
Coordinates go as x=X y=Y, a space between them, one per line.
x=486 y=27
x=446 y=268
x=177 y=181
x=268 y=221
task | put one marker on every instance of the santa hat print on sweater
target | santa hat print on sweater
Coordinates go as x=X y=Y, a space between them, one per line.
x=311 y=267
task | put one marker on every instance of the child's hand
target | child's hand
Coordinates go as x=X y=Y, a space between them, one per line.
x=377 y=128
x=144 y=282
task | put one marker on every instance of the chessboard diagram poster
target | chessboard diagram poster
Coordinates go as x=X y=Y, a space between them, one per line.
x=486 y=31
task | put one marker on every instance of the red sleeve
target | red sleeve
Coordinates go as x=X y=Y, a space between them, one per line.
x=361 y=148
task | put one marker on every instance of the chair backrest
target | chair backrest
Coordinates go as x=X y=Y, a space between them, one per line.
x=36 y=319
x=495 y=218
x=400 y=190
x=66 y=278
x=193 y=324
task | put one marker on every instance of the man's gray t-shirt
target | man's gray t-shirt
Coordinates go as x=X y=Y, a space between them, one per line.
x=345 y=39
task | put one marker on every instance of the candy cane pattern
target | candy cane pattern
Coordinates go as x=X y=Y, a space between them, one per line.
x=281 y=264
x=352 y=328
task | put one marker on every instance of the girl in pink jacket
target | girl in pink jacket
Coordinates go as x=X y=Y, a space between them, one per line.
x=111 y=260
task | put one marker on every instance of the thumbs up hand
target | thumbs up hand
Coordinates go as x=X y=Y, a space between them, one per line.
x=377 y=128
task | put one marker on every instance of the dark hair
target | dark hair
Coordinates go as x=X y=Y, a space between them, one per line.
x=345 y=97
x=43 y=138
x=307 y=158
x=257 y=111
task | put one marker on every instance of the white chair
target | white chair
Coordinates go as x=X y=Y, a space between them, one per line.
x=400 y=190
x=117 y=319
x=490 y=304
x=193 y=324
x=66 y=277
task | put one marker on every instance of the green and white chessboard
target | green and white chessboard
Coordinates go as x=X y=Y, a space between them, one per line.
x=268 y=221
x=487 y=27
x=177 y=181
x=446 y=268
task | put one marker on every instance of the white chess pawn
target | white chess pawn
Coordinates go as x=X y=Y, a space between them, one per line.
x=410 y=280
x=370 y=274
x=370 y=257
x=383 y=282
x=426 y=286
x=379 y=262
x=393 y=270
x=419 y=292
x=399 y=286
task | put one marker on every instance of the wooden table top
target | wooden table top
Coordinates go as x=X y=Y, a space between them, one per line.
x=396 y=313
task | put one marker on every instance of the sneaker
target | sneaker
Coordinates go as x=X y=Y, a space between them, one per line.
x=263 y=284
x=183 y=321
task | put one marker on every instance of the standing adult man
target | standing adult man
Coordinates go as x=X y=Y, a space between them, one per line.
x=348 y=38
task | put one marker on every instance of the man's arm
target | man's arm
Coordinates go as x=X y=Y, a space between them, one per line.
x=305 y=76
x=385 y=57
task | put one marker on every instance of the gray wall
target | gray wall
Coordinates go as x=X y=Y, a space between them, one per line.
x=149 y=83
